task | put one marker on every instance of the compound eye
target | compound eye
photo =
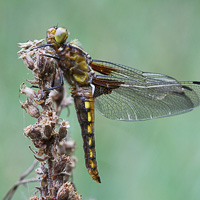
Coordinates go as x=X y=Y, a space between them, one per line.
x=61 y=35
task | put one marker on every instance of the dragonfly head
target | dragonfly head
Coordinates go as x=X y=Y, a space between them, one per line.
x=56 y=35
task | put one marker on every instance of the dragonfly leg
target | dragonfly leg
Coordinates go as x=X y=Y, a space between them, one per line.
x=50 y=56
x=58 y=86
x=52 y=84
x=43 y=45
x=34 y=86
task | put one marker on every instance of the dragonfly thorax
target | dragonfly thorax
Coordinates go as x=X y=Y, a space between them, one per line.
x=73 y=60
x=74 y=64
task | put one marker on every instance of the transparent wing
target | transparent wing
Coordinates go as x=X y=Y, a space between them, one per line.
x=124 y=93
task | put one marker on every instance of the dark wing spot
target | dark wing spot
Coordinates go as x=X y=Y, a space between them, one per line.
x=196 y=82
x=103 y=69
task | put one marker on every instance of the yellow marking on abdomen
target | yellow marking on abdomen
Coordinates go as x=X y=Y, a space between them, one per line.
x=89 y=117
x=87 y=104
x=91 y=153
x=92 y=165
x=94 y=175
x=89 y=141
x=90 y=128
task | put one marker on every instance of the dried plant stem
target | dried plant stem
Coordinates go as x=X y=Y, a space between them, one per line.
x=29 y=170
x=49 y=134
x=21 y=180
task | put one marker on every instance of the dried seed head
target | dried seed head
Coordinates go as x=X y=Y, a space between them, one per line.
x=67 y=191
x=62 y=132
x=30 y=44
x=32 y=132
x=57 y=96
x=63 y=129
x=39 y=144
x=66 y=147
x=61 y=164
x=45 y=66
x=30 y=93
x=34 y=198
x=28 y=53
x=44 y=180
x=46 y=131
x=72 y=164
x=35 y=60
x=28 y=61
x=31 y=109
x=70 y=144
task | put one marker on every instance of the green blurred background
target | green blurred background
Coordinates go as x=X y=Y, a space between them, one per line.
x=154 y=160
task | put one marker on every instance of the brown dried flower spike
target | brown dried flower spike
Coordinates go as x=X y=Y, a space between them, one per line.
x=48 y=134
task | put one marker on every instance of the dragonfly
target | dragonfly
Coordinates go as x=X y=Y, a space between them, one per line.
x=117 y=91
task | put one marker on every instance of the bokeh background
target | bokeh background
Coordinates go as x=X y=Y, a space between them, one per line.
x=154 y=160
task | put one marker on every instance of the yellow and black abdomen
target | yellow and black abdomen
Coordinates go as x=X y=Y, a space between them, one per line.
x=84 y=104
